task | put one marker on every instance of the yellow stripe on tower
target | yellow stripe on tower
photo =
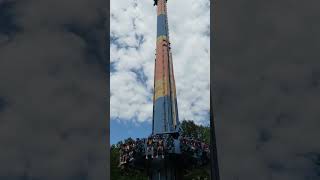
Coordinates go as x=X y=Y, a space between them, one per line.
x=161 y=89
x=162 y=37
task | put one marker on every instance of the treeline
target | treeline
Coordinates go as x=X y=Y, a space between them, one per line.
x=189 y=128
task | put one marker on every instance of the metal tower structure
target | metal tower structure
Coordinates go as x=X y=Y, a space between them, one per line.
x=176 y=152
x=165 y=111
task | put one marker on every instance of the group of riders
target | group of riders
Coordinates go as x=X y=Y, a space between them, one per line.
x=127 y=152
x=194 y=147
x=156 y=146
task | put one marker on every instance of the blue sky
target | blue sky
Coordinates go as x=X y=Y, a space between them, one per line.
x=120 y=130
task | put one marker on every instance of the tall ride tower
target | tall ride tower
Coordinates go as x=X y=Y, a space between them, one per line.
x=165 y=110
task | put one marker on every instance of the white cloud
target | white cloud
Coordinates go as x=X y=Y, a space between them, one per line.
x=189 y=26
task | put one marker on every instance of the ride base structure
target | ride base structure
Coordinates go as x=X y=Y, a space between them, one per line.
x=166 y=152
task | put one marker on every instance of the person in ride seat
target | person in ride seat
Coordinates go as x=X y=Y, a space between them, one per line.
x=141 y=146
x=130 y=158
x=125 y=152
x=160 y=149
x=138 y=145
x=121 y=154
x=149 y=147
x=155 y=145
x=170 y=143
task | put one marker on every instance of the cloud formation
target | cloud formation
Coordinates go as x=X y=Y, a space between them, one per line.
x=266 y=89
x=133 y=43
x=53 y=89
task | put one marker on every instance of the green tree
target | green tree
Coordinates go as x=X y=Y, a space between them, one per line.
x=189 y=128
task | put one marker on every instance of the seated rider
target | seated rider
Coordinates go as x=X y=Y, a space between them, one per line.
x=121 y=154
x=149 y=147
x=160 y=148
x=130 y=156
x=170 y=142
x=125 y=153
x=154 y=145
